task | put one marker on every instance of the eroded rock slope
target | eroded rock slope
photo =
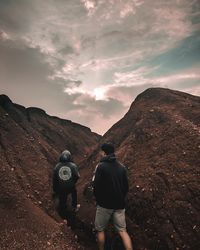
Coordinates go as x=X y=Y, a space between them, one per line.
x=159 y=141
x=30 y=144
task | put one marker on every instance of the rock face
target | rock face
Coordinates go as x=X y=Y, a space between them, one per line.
x=30 y=144
x=159 y=141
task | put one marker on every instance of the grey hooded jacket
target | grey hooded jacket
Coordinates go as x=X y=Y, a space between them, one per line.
x=65 y=174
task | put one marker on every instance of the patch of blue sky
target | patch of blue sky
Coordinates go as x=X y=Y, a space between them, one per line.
x=184 y=56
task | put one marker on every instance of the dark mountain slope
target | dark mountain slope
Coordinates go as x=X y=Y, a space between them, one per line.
x=159 y=141
x=30 y=144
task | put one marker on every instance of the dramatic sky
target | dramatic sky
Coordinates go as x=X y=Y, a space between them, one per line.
x=87 y=60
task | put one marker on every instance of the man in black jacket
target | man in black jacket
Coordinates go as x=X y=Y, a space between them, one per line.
x=65 y=176
x=110 y=189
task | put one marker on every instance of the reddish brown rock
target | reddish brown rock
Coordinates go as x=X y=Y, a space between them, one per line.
x=30 y=144
x=158 y=140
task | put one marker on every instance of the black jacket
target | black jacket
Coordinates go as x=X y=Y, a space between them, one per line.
x=62 y=184
x=110 y=183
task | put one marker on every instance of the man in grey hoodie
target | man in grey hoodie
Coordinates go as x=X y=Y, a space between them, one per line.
x=65 y=176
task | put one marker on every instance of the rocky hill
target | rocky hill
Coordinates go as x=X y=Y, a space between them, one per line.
x=30 y=144
x=159 y=141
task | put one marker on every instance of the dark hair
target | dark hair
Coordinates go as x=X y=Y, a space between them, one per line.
x=108 y=148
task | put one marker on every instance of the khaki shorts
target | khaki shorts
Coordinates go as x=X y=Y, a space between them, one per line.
x=104 y=215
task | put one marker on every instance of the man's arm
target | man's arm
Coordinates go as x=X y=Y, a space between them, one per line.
x=93 y=177
x=97 y=182
x=76 y=174
x=55 y=180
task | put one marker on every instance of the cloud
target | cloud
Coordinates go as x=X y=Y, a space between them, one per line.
x=97 y=114
x=104 y=107
x=24 y=62
x=97 y=65
x=95 y=122
x=128 y=85
x=25 y=79
x=126 y=94
x=90 y=6
x=86 y=108
x=193 y=91
x=65 y=31
x=88 y=59
x=3 y=36
x=16 y=16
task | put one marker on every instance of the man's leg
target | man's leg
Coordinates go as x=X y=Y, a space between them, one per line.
x=126 y=240
x=120 y=225
x=101 y=240
x=101 y=220
x=74 y=197
x=62 y=205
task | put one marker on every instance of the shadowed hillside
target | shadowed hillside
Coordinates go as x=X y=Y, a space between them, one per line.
x=159 y=141
x=30 y=144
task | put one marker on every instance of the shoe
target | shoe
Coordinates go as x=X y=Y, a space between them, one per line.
x=76 y=208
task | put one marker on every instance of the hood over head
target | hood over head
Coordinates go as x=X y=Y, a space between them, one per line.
x=65 y=156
